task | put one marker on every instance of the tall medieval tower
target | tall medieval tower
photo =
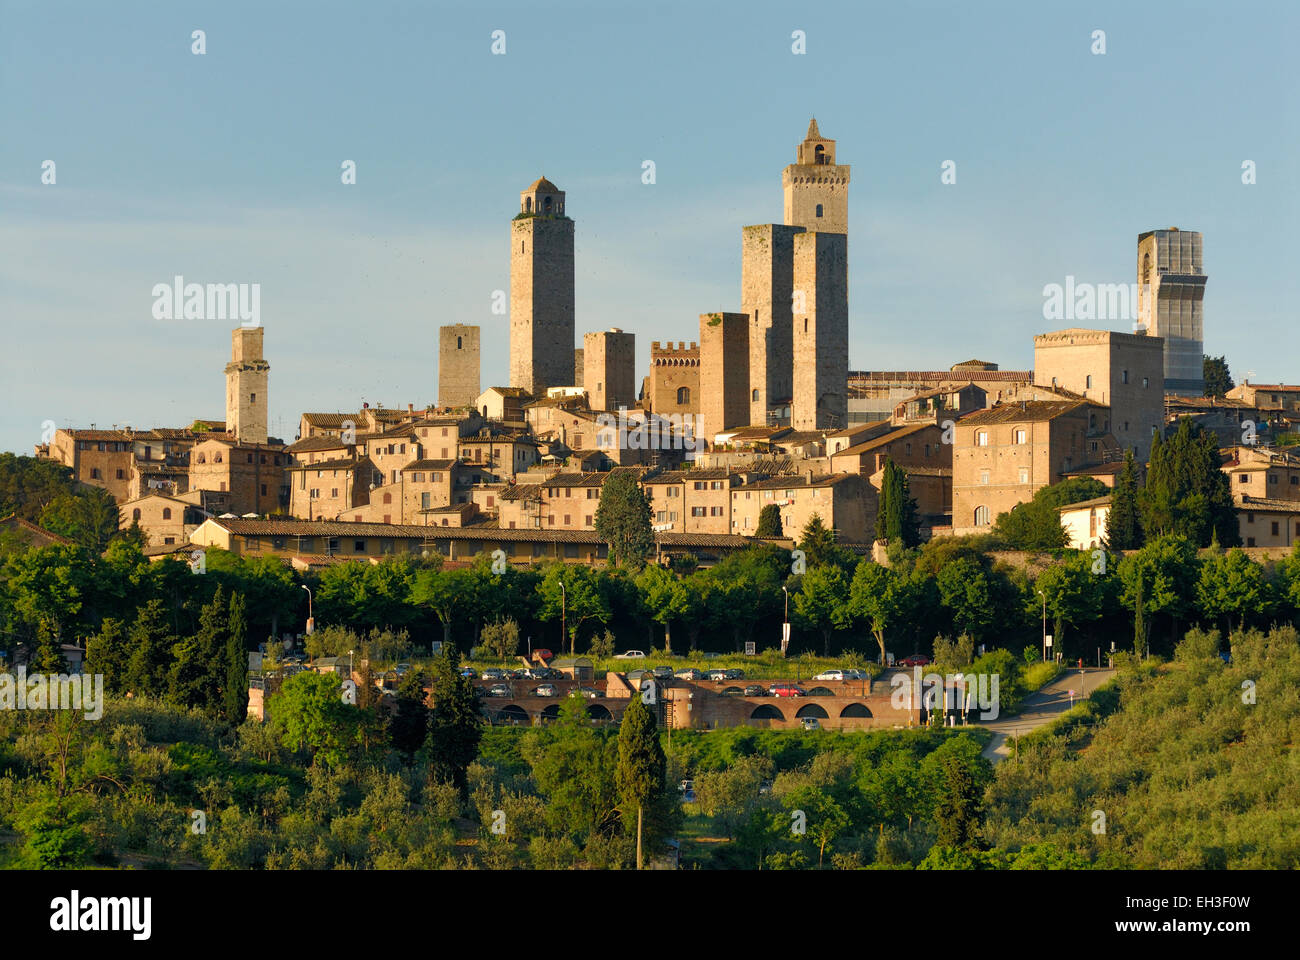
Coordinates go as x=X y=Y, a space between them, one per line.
x=541 y=291
x=247 y=377
x=816 y=187
x=1171 y=294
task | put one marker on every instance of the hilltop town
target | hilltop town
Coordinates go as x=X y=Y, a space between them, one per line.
x=761 y=411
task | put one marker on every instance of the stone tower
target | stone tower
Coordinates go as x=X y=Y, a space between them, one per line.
x=816 y=188
x=541 y=291
x=1171 y=291
x=766 y=284
x=821 y=331
x=247 y=377
x=458 y=365
x=609 y=369
x=724 y=373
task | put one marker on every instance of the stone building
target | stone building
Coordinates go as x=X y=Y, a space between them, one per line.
x=1263 y=474
x=252 y=476
x=691 y=501
x=330 y=489
x=97 y=458
x=247 y=379
x=609 y=375
x=766 y=288
x=1280 y=397
x=874 y=394
x=724 y=373
x=674 y=381
x=821 y=331
x=845 y=502
x=458 y=365
x=1171 y=291
x=165 y=520
x=816 y=187
x=1121 y=370
x=1003 y=456
x=579 y=368
x=541 y=291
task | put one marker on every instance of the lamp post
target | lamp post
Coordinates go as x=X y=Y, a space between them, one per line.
x=1044 y=596
x=564 y=603
x=785 y=625
x=311 y=624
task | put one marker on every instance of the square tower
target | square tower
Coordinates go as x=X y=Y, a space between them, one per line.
x=821 y=331
x=541 y=291
x=579 y=365
x=1171 y=291
x=609 y=369
x=247 y=379
x=674 y=381
x=724 y=373
x=816 y=188
x=458 y=365
x=766 y=284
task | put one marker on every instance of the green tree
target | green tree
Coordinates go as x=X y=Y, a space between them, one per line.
x=455 y=723
x=88 y=517
x=1160 y=579
x=641 y=778
x=309 y=713
x=1233 y=587
x=822 y=603
x=1187 y=493
x=957 y=814
x=107 y=653
x=896 y=520
x=409 y=727
x=1076 y=596
x=769 y=522
x=235 y=692
x=582 y=599
x=501 y=638
x=29 y=484
x=623 y=520
x=967 y=593
x=655 y=586
x=150 y=641
x=1218 y=379
x=881 y=598
x=1124 y=521
x=1036 y=524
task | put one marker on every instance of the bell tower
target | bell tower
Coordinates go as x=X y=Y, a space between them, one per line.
x=816 y=187
x=541 y=291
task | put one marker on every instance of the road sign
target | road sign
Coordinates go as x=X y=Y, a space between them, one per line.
x=1048 y=641
x=785 y=636
x=751 y=648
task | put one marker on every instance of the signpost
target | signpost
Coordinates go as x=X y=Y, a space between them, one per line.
x=751 y=648
x=785 y=637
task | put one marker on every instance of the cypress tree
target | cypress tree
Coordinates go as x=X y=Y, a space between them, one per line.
x=1123 y=524
x=235 y=682
x=641 y=777
x=455 y=723
x=769 y=522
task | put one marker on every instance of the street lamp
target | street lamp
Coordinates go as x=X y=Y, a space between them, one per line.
x=1044 y=596
x=311 y=623
x=564 y=602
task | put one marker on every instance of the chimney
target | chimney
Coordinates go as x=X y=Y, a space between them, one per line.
x=410 y=408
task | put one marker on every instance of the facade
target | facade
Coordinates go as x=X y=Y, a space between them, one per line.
x=724 y=373
x=691 y=501
x=1085 y=523
x=97 y=458
x=252 y=476
x=821 y=331
x=816 y=187
x=1263 y=474
x=1124 y=371
x=846 y=503
x=674 y=381
x=330 y=489
x=247 y=379
x=541 y=291
x=165 y=520
x=1171 y=294
x=609 y=369
x=874 y=394
x=1268 y=523
x=458 y=365
x=766 y=288
x=1003 y=456
x=1282 y=397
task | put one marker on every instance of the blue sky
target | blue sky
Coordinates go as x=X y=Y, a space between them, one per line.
x=225 y=168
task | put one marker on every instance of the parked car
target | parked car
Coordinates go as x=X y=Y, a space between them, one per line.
x=591 y=693
x=546 y=690
x=831 y=675
x=469 y=673
x=688 y=791
x=755 y=690
x=402 y=668
x=690 y=673
x=717 y=676
x=495 y=673
x=787 y=690
x=810 y=723
x=664 y=673
x=915 y=660
x=520 y=674
x=544 y=654
x=630 y=655
x=735 y=674
x=499 y=690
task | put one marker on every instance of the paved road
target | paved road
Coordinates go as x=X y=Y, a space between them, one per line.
x=1042 y=707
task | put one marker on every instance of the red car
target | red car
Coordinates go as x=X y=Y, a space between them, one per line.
x=544 y=654
x=786 y=690
x=915 y=660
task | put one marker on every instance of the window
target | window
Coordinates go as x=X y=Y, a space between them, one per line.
x=587 y=520
x=388 y=498
x=984 y=476
x=683 y=396
x=1022 y=436
x=698 y=512
x=1123 y=377
x=1275 y=528
x=701 y=485
x=263 y=489
x=1272 y=478
x=715 y=511
x=334 y=491
x=1024 y=474
x=135 y=514
x=1087 y=382
x=94 y=473
x=1250 y=541
x=359 y=546
x=717 y=485
x=1245 y=477
x=1146 y=381
x=981 y=516
x=424 y=501
x=754 y=396
x=819 y=210
x=169 y=540
x=981 y=438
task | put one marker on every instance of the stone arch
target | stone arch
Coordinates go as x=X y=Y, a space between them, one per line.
x=731 y=692
x=513 y=714
x=546 y=205
x=855 y=710
x=813 y=710
x=599 y=713
x=550 y=713
x=765 y=711
x=821 y=692
x=528 y=204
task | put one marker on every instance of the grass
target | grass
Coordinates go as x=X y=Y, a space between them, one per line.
x=1040 y=674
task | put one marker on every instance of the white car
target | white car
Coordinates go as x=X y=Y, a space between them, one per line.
x=830 y=675
x=630 y=655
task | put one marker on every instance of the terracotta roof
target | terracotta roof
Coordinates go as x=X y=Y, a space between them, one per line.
x=345 y=463
x=782 y=483
x=429 y=465
x=543 y=185
x=1266 y=504
x=33 y=534
x=318 y=442
x=98 y=435
x=884 y=439
x=941 y=376
x=1029 y=411
x=1094 y=502
x=687 y=476
x=1097 y=470
x=330 y=419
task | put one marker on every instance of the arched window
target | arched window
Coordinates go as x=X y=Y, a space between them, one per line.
x=820 y=154
x=981 y=516
x=458 y=343
x=521 y=246
x=528 y=204
x=819 y=206
x=135 y=514
x=546 y=205
x=167 y=513
x=754 y=396
x=683 y=395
